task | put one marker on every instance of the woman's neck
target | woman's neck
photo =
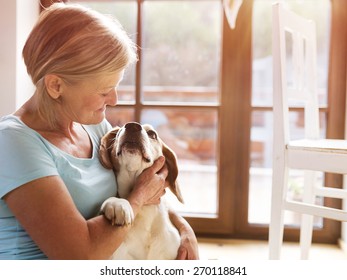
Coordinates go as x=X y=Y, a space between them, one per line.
x=67 y=136
x=29 y=113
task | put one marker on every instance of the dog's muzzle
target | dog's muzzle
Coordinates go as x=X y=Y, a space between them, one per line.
x=133 y=141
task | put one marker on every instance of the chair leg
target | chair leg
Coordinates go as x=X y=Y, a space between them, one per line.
x=307 y=220
x=276 y=234
x=276 y=228
x=306 y=235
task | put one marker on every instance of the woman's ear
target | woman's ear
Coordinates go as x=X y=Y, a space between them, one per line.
x=53 y=85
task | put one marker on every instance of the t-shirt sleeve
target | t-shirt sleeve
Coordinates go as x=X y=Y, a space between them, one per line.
x=24 y=157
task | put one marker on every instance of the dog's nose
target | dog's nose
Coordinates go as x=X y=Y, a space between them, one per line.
x=133 y=126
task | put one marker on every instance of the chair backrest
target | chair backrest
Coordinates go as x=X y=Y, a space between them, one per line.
x=295 y=73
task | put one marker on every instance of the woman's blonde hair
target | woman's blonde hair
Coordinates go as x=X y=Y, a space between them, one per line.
x=74 y=43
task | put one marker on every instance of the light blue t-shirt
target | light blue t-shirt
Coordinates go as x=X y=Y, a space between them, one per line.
x=25 y=156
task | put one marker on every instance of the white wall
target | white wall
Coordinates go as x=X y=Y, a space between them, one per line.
x=7 y=56
x=17 y=18
x=27 y=14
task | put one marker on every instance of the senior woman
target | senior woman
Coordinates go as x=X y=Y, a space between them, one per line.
x=51 y=181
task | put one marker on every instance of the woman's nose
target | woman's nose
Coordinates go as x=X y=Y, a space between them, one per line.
x=112 y=97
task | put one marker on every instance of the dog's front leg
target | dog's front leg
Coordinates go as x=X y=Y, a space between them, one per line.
x=118 y=211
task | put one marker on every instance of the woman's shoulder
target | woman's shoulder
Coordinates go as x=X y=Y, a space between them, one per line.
x=13 y=123
x=14 y=132
x=8 y=120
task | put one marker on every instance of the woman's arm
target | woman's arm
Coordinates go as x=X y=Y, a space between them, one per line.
x=188 y=249
x=47 y=212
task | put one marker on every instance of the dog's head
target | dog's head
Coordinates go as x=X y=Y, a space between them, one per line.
x=130 y=149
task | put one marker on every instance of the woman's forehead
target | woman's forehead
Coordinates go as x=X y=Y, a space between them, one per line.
x=105 y=81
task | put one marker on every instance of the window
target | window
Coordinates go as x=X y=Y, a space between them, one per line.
x=207 y=89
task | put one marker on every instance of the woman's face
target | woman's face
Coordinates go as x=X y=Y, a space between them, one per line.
x=85 y=102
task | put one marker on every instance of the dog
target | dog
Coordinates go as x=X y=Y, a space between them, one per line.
x=128 y=150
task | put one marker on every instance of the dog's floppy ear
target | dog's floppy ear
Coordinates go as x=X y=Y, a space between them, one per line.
x=171 y=161
x=105 y=149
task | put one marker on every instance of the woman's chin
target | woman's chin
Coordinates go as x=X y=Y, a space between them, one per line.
x=95 y=119
x=98 y=119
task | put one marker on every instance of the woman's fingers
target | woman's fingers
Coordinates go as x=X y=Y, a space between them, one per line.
x=157 y=165
x=151 y=184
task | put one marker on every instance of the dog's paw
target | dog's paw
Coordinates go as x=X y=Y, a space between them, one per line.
x=118 y=211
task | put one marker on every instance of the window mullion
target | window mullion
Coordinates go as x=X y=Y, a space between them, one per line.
x=138 y=78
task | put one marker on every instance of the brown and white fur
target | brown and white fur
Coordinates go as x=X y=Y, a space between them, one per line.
x=128 y=151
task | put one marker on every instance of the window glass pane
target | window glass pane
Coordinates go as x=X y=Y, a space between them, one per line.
x=261 y=166
x=126 y=13
x=181 y=50
x=319 y=11
x=192 y=135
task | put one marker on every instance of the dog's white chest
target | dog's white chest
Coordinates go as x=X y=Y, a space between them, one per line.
x=152 y=236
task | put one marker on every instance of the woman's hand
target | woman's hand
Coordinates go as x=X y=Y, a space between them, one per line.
x=150 y=185
x=188 y=249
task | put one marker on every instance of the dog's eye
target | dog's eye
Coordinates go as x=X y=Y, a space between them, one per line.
x=151 y=134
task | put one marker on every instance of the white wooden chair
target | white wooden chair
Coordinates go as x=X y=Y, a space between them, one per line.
x=311 y=154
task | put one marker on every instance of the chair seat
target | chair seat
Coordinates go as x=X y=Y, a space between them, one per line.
x=320 y=145
x=326 y=155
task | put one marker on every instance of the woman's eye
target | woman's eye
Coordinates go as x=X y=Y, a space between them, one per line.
x=105 y=93
x=151 y=134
